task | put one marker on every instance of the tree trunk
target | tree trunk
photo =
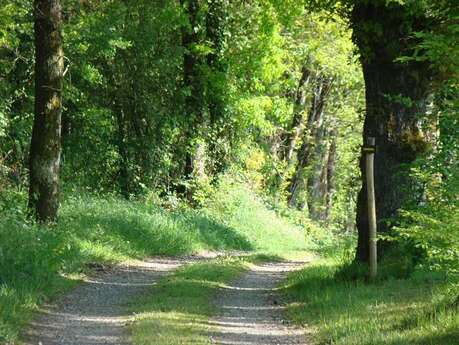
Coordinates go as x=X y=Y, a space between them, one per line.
x=124 y=169
x=311 y=138
x=216 y=87
x=45 y=149
x=331 y=168
x=318 y=176
x=297 y=127
x=396 y=96
x=194 y=100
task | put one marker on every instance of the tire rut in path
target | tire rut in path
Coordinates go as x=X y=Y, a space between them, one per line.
x=251 y=313
x=95 y=312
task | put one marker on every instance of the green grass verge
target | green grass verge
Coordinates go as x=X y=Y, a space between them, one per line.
x=177 y=310
x=38 y=262
x=413 y=311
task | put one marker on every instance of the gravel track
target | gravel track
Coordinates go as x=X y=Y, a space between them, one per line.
x=96 y=312
x=252 y=313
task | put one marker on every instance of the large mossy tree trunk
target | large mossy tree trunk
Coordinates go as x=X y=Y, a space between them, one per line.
x=396 y=99
x=45 y=149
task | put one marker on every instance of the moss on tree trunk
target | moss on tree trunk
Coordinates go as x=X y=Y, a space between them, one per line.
x=45 y=150
x=396 y=99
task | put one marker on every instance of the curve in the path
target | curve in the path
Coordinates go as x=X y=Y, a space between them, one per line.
x=95 y=312
x=251 y=313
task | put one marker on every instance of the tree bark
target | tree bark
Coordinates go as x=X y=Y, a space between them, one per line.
x=124 y=172
x=396 y=97
x=194 y=100
x=218 y=134
x=317 y=185
x=312 y=136
x=45 y=149
x=297 y=127
x=331 y=168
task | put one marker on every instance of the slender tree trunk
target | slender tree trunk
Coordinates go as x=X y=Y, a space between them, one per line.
x=297 y=127
x=311 y=138
x=45 y=149
x=318 y=179
x=124 y=173
x=396 y=98
x=331 y=168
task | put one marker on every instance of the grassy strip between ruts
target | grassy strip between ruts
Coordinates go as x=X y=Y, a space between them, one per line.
x=177 y=309
x=413 y=311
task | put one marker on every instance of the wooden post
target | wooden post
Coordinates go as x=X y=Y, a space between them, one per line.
x=370 y=157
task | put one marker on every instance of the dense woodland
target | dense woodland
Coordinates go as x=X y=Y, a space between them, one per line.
x=164 y=102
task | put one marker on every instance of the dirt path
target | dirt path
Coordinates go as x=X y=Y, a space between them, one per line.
x=252 y=313
x=95 y=312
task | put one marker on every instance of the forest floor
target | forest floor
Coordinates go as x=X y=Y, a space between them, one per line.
x=106 y=308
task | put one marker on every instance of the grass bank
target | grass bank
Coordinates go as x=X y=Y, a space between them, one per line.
x=38 y=262
x=413 y=311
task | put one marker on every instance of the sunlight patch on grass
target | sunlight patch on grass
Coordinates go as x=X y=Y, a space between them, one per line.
x=413 y=311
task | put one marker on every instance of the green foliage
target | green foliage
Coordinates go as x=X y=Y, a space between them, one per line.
x=126 y=125
x=128 y=129
x=16 y=68
x=433 y=227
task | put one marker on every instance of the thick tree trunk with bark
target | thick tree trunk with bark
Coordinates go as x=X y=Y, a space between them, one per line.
x=45 y=149
x=396 y=96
